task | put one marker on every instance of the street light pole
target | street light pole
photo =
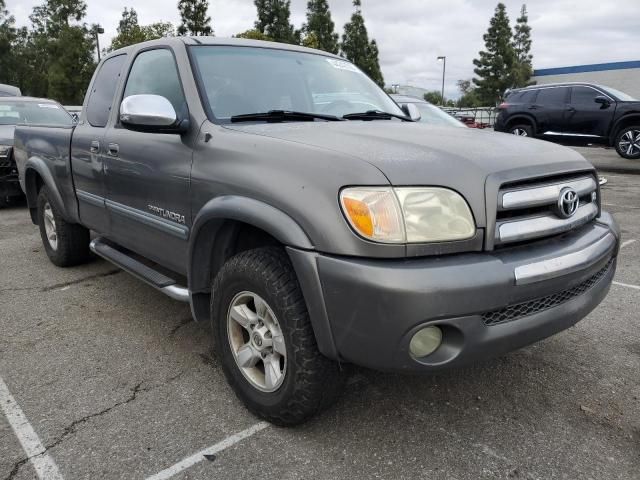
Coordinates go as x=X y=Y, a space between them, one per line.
x=97 y=30
x=444 y=68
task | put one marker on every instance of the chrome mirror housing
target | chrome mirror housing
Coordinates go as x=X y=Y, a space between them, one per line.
x=411 y=111
x=147 y=112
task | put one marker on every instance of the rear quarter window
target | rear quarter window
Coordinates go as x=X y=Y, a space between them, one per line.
x=103 y=90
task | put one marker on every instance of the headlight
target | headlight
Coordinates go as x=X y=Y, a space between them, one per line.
x=4 y=151
x=408 y=214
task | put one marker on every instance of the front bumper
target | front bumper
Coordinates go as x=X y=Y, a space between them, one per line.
x=483 y=307
x=10 y=186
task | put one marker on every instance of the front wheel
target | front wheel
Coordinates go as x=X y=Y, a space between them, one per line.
x=522 y=130
x=265 y=341
x=628 y=142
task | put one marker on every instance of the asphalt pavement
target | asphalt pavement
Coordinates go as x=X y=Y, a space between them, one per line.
x=117 y=382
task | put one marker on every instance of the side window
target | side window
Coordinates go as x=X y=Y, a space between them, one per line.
x=154 y=72
x=529 y=96
x=584 y=97
x=552 y=96
x=103 y=90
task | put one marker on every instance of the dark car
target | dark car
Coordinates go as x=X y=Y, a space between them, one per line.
x=429 y=113
x=26 y=111
x=574 y=113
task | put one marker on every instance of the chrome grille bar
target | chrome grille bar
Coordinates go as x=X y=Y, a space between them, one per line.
x=536 y=196
x=528 y=228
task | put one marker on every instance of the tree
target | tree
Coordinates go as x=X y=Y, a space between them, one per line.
x=469 y=97
x=7 y=40
x=495 y=66
x=319 y=30
x=131 y=32
x=273 y=21
x=434 y=97
x=523 y=68
x=195 y=20
x=357 y=48
x=253 y=34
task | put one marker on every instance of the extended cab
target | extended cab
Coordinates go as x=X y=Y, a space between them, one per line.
x=306 y=217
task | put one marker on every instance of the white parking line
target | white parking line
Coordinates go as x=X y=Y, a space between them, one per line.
x=200 y=456
x=620 y=284
x=627 y=243
x=44 y=465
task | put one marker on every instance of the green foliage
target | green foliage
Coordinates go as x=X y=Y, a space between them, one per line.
x=495 y=67
x=357 y=48
x=131 y=32
x=8 y=37
x=195 y=20
x=273 y=21
x=319 y=31
x=254 y=34
x=469 y=97
x=434 y=97
x=523 y=69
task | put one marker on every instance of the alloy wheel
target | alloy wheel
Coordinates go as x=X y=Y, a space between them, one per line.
x=520 y=132
x=257 y=342
x=630 y=142
x=50 y=226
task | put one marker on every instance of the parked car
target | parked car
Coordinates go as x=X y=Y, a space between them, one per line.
x=9 y=91
x=574 y=112
x=429 y=113
x=21 y=110
x=309 y=233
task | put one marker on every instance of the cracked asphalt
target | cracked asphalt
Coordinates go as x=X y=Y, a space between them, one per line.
x=119 y=383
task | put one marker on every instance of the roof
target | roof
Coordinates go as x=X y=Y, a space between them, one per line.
x=240 y=42
x=407 y=98
x=595 y=67
x=26 y=99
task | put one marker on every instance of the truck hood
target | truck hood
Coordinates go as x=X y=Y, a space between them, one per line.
x=420 y=154
x=6 y=134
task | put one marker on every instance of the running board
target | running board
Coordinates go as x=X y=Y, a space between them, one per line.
x=156 y=279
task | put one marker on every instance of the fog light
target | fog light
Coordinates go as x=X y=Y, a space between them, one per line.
x=425 y=341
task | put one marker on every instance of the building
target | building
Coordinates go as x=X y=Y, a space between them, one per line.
x=623 y=76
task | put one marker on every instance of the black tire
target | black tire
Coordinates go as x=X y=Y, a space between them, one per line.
x=311 y=381
x=522 y=130
x=4 y=202
x=72 y=239
x=628 y=142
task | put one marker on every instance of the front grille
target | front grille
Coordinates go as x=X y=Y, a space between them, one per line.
x=515 y=312
x=530 y=210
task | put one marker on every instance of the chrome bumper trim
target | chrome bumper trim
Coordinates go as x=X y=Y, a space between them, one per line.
x=573 y=262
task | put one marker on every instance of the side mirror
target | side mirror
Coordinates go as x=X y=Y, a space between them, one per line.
x=148 y=113
x=411 y=111
x=602 y=100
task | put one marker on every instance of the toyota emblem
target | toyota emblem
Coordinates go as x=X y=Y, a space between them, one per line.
x=568 y=202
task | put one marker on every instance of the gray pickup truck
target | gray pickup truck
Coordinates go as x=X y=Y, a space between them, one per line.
x=306 y=217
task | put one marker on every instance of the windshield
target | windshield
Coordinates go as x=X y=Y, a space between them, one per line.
x=33 y=113
x=242 y=80
x=435 y=116
x=620 y=95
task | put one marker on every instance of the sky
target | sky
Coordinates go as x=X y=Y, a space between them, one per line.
x=411 y=34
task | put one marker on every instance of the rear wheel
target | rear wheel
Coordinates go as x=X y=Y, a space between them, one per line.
x=628 y=142
x=265 y=341
x=66 y=243
x=521 y=130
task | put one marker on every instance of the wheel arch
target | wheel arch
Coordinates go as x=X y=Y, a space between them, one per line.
x=522 y=118
x=623 y=122
x=36 y=176
x=228 y=225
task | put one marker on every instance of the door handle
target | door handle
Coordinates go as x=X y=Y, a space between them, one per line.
x=113 y=149
x=571 y=109
x=533 y=107
x=95 y=147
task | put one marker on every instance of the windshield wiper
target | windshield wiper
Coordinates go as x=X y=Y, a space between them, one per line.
x=375 y=115
x=273 y=116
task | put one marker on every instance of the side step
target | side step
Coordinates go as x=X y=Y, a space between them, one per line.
x=156 y=279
